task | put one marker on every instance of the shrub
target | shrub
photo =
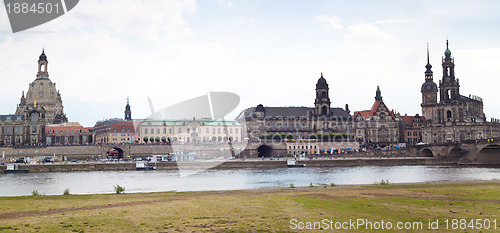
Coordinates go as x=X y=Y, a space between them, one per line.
x=35 y=193
x=292 y=186
x=119 y=189
x=332 y=184
x=311 y=184
x=384 y=182
x=66 y=191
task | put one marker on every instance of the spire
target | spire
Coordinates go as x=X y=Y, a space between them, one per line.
x=447 y=52
x=322 y=74
x=428 y=72
x=378 y=94
x=127 y=101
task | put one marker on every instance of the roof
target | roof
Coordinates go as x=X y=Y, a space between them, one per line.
x=296 y=112
x=122 y=126
x=411 y=119
x=373 y=110
x=202 y=121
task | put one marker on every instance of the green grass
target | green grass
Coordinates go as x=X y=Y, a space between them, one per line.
x=265 y=210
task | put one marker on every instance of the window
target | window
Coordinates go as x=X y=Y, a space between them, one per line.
x=180 y=130
x=7 y=140
x=157 y=131
x=236 y=131
x=33 y=129
x=145 y=131
x=123 y=129
x=34 y=117
x=208 y=130
x=164 y=130
x=8 y=129
x=231 y=130
x=19 y=129
x=188 y=130
x=170 y=131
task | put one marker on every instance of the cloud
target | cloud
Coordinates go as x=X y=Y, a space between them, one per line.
x=225 y=3
x=329 y=22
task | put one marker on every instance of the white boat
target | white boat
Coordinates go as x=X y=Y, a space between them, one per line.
x=293 y=163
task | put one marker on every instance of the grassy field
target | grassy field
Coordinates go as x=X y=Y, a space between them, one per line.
x=265 y=210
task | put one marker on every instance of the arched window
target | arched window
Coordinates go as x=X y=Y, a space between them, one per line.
x=34 y=117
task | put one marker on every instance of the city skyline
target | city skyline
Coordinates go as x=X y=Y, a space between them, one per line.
x=256 y=50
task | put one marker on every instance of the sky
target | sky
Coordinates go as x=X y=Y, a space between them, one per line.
x=267 y=52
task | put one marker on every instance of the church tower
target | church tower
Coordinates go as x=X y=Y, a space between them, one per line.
x=128 y=112
x=429 y=91
x=322 y=102
x=449 y=87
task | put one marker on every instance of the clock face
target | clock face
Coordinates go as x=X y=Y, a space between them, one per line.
x=447 y=79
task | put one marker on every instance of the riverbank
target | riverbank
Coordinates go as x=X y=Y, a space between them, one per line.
x=236 y=164
x=280 y=209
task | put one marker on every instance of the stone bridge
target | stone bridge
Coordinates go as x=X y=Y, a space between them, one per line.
x=473 y=152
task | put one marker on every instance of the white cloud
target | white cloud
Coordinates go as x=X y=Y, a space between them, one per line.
x=225 y=3
x=329 y=22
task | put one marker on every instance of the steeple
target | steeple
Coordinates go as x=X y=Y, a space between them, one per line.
x=128 y=112
x=378 y=94
x=42 y=66
x=322 y=102
x=447 y=52
x=428 y=72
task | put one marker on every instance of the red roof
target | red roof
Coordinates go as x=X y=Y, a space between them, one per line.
x=372 y=111
x=69 y=129
x=122 y=126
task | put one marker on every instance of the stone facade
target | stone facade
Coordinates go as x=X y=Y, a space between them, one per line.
x=378 y=126
x=455 y=118
x=298 y=122
x=42 y=94
x=411 y=129
x=115 y=131
x=190 y=131
x=22 y=129
x=68 y=134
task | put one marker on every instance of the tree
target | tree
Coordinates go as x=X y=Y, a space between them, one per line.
x=145 y=139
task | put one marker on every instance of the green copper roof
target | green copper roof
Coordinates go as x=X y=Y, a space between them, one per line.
x=447 y=52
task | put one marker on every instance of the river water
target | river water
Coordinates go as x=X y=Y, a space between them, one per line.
x=163 y=180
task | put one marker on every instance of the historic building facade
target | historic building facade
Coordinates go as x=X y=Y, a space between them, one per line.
x=42 y=93
x=455 y=117
x=189 y=131
x=299 y=122
x=411 y=129
x=378 y=126
x=71 y=133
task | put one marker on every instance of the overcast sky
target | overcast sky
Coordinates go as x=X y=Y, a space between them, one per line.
x=269 y=52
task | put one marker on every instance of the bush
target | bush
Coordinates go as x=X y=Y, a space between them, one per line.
x=119 y=189
x=35 y=193
x=292 y=186
x=311 y=184
x=66 y=191
x=332 y=184
x=384 y=182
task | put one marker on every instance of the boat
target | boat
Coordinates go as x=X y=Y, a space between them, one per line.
x=15 y=168
x=143 y=166
x=293 y=163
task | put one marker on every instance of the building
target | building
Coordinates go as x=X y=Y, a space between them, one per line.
x=411 y=129
x=22 y=129
x=114 y=131
x=378 y=126
x=189 y=131
x=455 y=117
x=299 y=122
x=68 y=134
x=43 y=95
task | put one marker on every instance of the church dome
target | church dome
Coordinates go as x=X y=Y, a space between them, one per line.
x=429 y=86
x=321 y=82
x=42 y=57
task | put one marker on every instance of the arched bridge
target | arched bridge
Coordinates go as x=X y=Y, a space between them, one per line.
x=474 y=152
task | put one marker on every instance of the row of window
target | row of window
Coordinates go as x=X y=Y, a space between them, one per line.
x=67 y=131
x=303 y=126
x=19 y=129
x=189 y=130
x=18 y=140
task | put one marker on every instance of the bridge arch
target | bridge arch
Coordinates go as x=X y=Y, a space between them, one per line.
x=489 y=155
x=115 y=152
x=427 y=153
x=264 y=151
x=455 y=152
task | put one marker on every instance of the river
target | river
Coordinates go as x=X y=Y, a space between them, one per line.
x=164 y=180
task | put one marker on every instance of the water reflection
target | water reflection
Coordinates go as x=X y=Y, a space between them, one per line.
x=155 y=181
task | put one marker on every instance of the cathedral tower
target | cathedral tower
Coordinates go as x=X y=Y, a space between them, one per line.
x=429 y=91
x=322 y=102
x=449 y=87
